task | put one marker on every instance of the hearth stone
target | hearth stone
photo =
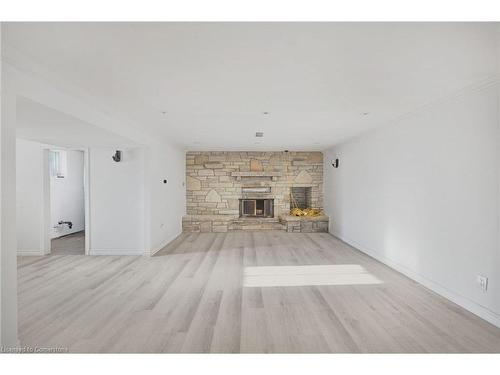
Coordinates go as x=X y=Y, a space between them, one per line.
x=228 y=223
x=302 y=224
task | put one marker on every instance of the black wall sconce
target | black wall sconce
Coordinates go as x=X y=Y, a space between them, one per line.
x=335 y=163
x=117 y=156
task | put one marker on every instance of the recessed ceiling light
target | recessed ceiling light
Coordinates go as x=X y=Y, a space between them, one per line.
x=259 y=134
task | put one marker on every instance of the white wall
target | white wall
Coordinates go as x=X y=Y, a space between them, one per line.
x=422 y=195
x=31 y=211
x=117 y=202
x=166 y=201
x=67 y=201
x=8 y=259
x=2 y=297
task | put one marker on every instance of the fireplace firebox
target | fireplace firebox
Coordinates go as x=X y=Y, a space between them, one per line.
x=256 y=207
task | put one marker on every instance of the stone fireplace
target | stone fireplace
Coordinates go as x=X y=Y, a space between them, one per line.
x=249 y=190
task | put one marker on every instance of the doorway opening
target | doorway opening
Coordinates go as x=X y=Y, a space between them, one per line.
x=67 y=202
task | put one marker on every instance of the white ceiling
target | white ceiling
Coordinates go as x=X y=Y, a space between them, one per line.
x=39 y=123
x=215 y=80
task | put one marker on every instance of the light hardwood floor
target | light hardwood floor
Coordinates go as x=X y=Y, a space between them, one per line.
x=191 y=298
x=73 y=244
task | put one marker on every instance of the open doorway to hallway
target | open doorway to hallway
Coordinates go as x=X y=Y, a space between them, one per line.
x=67 y=202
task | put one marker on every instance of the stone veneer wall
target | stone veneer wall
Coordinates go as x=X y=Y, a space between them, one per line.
x=211 y=189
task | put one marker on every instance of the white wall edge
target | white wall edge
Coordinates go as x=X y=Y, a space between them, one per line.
x=116 y=252
x=450 y=295
x=45 y=240
x=86 y=194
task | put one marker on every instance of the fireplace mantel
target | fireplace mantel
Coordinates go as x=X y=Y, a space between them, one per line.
x=272 y=175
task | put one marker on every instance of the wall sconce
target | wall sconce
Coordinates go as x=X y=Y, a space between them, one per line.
x=117 y=156
x=335 y=163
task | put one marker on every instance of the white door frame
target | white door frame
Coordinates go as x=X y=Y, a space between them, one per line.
x=86 y=197
x=47 y=220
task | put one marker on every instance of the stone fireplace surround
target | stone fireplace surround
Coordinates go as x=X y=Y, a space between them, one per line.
x=217 y=181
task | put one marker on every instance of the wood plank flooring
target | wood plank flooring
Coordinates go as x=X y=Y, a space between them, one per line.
x=191 y=298
x=72 y=244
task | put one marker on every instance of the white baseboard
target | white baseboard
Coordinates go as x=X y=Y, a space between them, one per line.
x=116 y=252
x=30 y=253
x=462 y=301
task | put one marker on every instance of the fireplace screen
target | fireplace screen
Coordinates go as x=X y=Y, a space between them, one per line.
x=256 y=208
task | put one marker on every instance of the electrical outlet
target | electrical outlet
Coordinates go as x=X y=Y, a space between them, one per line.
x=483 y=282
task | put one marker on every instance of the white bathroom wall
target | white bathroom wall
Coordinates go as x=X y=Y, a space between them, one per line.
x=67 y=201
x=117 y=202
x=422 y=195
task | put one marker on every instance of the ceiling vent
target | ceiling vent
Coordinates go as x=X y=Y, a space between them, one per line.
x=259 y=134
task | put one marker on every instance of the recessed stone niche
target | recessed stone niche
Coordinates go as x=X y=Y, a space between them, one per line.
x=300 y=196
x=217 y=181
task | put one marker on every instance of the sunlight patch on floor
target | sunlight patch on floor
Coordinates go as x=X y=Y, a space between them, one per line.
x=335 y=274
